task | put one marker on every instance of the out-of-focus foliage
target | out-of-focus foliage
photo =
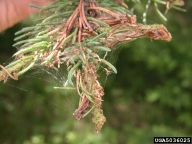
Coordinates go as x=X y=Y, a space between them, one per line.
x=150 y=96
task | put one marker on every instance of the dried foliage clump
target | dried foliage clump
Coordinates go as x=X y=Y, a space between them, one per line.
x=79 y=34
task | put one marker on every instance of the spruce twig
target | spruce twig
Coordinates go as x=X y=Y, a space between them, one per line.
x=78 y=34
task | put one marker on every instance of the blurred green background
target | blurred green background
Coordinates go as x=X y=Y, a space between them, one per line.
x=150 y=96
